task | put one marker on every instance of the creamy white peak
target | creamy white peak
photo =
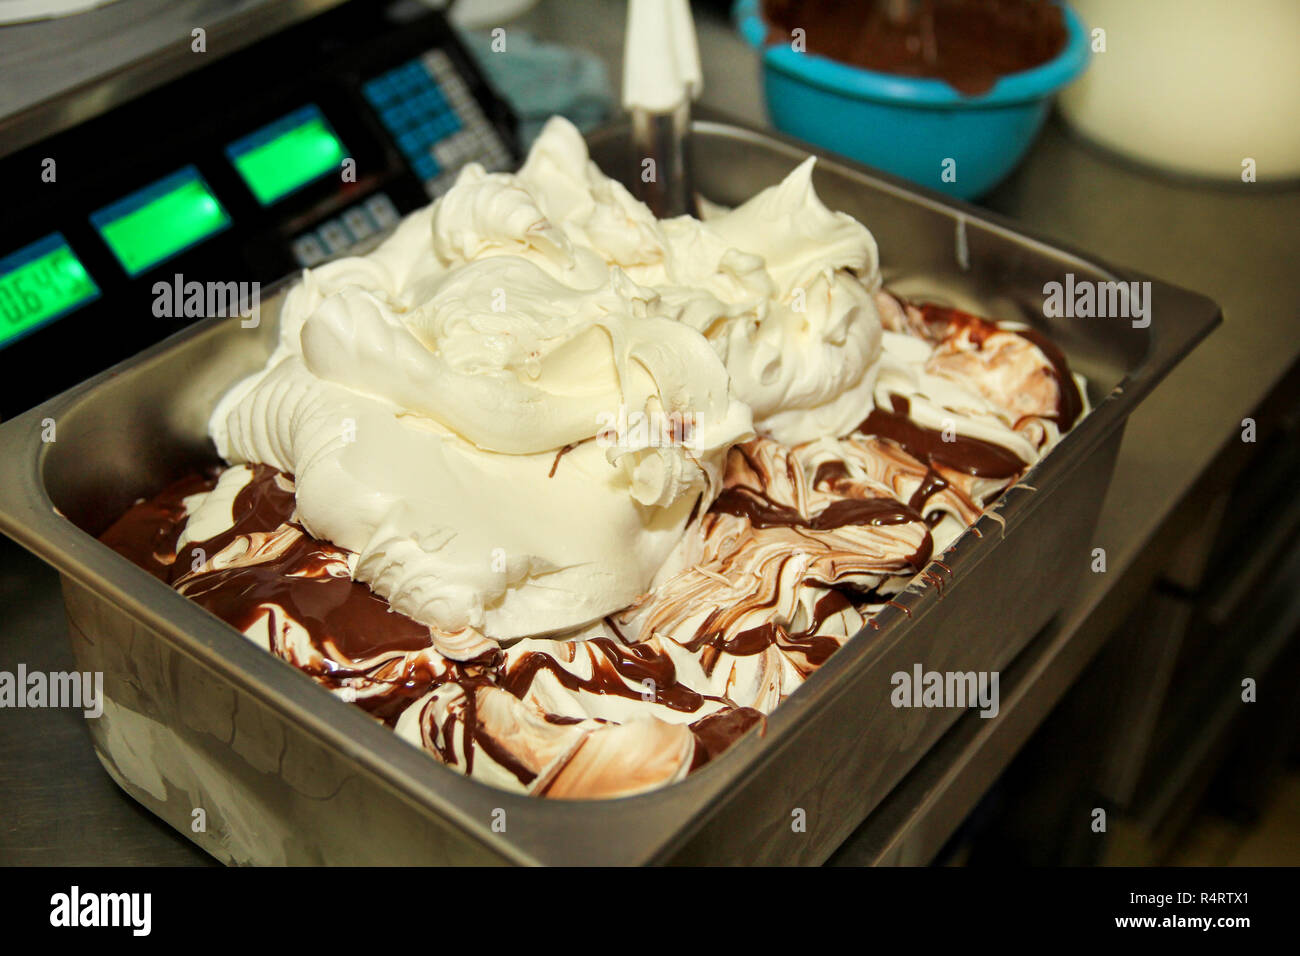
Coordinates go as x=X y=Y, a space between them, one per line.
x=421 y=394
x=804 y=358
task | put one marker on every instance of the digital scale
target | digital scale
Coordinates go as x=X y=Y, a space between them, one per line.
x=298 y=148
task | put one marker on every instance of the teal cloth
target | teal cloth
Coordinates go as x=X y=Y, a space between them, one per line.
x=540 y=79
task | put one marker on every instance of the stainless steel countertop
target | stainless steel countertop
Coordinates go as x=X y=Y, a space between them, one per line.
x=1234 y=243
x=56 y=73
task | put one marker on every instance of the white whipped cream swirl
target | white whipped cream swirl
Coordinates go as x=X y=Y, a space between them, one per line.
x=421 y=394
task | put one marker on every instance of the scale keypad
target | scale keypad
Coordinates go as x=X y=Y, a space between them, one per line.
x=336 y=236
x=435 y=120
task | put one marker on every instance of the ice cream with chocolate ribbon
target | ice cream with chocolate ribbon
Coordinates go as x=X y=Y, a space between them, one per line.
x=452 y=499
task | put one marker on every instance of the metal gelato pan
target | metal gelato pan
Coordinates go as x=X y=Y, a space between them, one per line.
x=197 y=717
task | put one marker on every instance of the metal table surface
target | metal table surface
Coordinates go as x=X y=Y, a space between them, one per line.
x=1235 y=243
x=59 y=72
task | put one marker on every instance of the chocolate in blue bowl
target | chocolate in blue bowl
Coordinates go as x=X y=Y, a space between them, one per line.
x=919 y=127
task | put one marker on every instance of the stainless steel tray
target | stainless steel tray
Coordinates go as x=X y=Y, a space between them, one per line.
x=196 y=717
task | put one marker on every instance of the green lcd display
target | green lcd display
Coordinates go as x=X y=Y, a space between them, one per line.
x=38 y=284
x=287 y=154
x=161 y=220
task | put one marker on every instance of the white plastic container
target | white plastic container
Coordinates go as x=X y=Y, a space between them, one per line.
x=1194 y=86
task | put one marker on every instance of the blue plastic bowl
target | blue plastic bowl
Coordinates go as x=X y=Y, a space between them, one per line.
x=921 y=129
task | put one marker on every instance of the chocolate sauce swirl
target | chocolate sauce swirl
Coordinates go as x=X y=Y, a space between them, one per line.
x=945 y=322
x=762 y=512
x=788 y=567
x=970 y=455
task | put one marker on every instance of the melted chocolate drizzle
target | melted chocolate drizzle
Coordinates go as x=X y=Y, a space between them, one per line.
x=947 y=321
x=612 y=670
x=146 y=534
x=337 y=610
x=969 y=44
x=296 y=585
x=762 y=512
x=716 y=732
x=560 y=454
x=343 y=618
x=755 y=640
x=972 y=456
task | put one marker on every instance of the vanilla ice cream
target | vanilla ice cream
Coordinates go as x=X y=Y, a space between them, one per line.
x=571 y=497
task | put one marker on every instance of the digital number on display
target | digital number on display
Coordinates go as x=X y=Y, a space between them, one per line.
x=40 y=283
